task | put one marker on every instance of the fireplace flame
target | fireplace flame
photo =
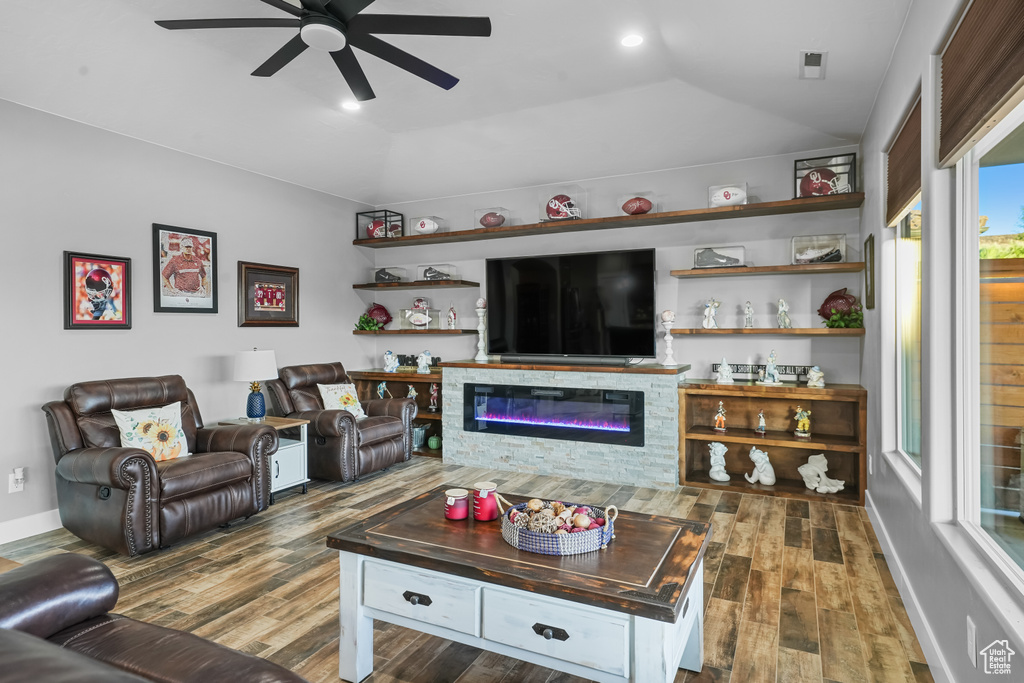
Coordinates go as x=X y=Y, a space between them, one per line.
x=600 y=425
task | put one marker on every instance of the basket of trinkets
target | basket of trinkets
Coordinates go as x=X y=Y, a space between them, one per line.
x=557 y=528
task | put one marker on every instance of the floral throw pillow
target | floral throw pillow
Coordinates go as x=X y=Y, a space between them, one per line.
x=155 y=430
x=341 y=397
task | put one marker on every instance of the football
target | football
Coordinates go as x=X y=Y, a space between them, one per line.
x=424 y=226
x=637 y=205
x=376 y=229
x=492 y=219
x=728 y=196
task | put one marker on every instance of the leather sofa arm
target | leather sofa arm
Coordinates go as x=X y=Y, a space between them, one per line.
x=106 y=466
x=328 y=423
x=404 y=408
x=252 y=439
x=48 y=595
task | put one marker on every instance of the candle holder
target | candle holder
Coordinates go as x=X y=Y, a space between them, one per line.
x=481 y=328
x=669 y=359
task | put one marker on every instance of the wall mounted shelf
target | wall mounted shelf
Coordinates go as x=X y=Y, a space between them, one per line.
x=419 y=332
x=801 y=269
x=768 y=331
x=417 y=284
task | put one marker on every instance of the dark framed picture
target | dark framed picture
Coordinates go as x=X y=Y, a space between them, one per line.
x=97 y=292
x=821 y=176
x=184 y=270
x=869 y=271
x=268 y=296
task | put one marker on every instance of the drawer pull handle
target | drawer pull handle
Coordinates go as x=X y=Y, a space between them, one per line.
x=417 y=598
x=278 y=473
x=550 y=632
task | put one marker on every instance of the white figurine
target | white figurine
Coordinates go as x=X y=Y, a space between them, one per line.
x=412 y=392
x=451 y=316
x=815 y=378
x=725 y=373
x=763 y=472
x=710 y=308
x=748 y=316
x=771 y=371
x=423 y=363
x=813 y=473
x=717 y=471
x=390 y=361
x=784 y=322
x=667 y=318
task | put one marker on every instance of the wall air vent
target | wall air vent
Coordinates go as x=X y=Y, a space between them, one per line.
x=812 y=64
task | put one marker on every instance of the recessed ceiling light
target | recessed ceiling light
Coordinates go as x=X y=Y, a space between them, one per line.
x=350 y=105
x=632 y=40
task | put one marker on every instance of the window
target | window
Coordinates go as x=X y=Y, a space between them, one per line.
x=908 y=331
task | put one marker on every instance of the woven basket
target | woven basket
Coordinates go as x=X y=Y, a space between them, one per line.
x=561 y=544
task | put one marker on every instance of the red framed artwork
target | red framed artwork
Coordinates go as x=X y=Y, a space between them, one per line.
x=268 y=296
x=97 y=292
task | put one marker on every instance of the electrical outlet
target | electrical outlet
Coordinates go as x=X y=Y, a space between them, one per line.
x=972 y=643
x=14 y=485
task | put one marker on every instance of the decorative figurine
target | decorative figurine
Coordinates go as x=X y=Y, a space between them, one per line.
x=720 y=418
x=725 y=373
x=390 y=361
x=710 y=308
x=771 y=372
x=761 y=427
x=763 y=472
x=382 y=389
x=423 y=363
x=803 y=423
x=815 y=378
x=748 y=316
x=667 y=318
x=434 y=389
x=412 y=392
x=451 y=316
x=784 y=322
x=717 y=471
x=813 y=473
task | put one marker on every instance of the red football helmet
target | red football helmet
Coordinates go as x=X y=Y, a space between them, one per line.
x=98 y=284
x=820 y=181
x=561 y=207
x=377 y=228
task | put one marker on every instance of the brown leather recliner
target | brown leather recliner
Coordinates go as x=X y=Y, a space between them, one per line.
x=55 y=628
x=124 y=500
x=340 y=447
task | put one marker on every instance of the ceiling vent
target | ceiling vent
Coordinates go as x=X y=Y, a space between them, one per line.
x=812 y=64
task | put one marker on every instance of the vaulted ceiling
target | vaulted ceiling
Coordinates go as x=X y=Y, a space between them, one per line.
x=551 y=96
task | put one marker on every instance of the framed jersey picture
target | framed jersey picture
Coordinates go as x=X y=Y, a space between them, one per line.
x=97 y=292
x=184 y=270
x=268 y=295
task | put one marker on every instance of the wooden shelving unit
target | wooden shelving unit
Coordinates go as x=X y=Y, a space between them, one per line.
x=366 y=382
x=420 y=332
x=800 y=269
x=770 y=331
x=417 y=284
x=838 y=429
x=787 y=206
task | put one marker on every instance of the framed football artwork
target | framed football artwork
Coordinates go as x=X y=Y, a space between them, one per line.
x=97 y=292
x=184 y=270
x=268 y=296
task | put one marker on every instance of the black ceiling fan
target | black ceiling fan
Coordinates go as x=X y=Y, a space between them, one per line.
x=337 y=26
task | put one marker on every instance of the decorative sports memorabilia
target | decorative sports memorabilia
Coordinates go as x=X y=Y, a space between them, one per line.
x=823 y=176
x=184 y=270
x=378 y=224
x=561 y=207
x=637 y=205
x=268 y=296
x=97 y=292
x=379 y=313
x=727 y=195
x=492 y=219
x=425 y=226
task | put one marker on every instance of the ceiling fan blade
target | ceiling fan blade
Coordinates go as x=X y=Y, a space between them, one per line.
x=419 y=25
x=285 y=6
x=344 y=9
x=175 y=24
x=353 y=73
x=292 y=49
x=403 y=60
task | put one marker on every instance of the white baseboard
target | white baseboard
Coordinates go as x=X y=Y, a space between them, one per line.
x=39 y=523
x=940 y=670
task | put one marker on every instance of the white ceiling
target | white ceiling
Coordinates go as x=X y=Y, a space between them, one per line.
x=551 y=96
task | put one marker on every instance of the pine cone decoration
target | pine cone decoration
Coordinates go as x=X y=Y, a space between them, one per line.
x=544 y=524
x=522 y=520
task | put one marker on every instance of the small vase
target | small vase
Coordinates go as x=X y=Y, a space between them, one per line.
x=255 y=407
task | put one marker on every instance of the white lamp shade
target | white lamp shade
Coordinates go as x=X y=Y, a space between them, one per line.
x=255 y=365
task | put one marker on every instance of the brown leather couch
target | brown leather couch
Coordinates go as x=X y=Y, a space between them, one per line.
x=341 y=448
x=55 y=628
x=124 y=500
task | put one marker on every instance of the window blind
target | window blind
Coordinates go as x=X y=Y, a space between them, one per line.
x=903 y=179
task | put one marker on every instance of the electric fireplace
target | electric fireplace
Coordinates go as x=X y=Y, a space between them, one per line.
x=593 y=415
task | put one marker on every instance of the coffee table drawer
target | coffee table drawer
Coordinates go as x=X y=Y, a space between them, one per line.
x=423 y=596
x=594 y=638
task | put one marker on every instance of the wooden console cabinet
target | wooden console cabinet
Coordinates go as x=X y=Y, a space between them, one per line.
x=366 y=382
x=838 y=429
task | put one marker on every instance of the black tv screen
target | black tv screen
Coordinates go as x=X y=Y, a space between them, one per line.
x=597 y=304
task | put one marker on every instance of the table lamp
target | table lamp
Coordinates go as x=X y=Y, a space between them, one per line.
x=251 y=366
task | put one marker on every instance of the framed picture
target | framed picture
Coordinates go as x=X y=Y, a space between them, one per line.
x=184 y=270
x=268 y=296
x=97 y=292
x=869 y=272
x=821 y=176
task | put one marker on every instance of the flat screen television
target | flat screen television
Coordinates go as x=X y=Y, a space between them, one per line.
x=596 y=307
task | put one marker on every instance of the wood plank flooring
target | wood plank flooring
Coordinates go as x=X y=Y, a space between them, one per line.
x=794 y=591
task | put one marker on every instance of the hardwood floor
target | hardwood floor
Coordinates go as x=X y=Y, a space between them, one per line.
x=794 y=591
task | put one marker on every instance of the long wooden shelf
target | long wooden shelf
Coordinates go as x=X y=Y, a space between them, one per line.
x=421 y=332
x=803 y=268
x=417 y=284
x=787 y=206
x=832 y=392
x=407 y=376
x=822 y=442
x=783 y=488
x=793 y=332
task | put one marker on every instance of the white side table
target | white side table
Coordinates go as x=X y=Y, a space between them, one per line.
x=288 y=466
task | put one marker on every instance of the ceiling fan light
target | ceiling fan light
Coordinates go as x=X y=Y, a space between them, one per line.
x=632 y=40
x=322 y=36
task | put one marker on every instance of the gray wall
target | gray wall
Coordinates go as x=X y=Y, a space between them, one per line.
x=67 y=186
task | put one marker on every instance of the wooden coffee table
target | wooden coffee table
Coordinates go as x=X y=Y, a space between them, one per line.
x=630 y=612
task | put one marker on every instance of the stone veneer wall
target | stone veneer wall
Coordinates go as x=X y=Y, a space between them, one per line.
x=655 y=464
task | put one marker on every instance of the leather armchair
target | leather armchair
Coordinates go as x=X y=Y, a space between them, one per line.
x=124 y=500
x=341 y=448
x=55 y=627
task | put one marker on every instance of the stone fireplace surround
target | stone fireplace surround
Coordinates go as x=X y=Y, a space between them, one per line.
x=655 y=464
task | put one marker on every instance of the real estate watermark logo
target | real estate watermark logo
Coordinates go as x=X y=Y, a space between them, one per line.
x=997 y=656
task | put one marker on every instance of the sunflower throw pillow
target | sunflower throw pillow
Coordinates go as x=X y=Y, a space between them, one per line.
x=156 y=430
x=341 y=397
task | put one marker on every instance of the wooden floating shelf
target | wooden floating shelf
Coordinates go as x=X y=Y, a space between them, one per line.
x=427 y=416
x=787 y=206
x=428 y=452
x=417 y=284
x=793 y=332
x=822 y=442
x=831 y=392
x=423 y=332
x=804 y=268
x=406 y=376
x=783 y=488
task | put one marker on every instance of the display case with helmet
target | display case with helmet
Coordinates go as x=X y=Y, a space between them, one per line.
x=562 y=203
x=825 y=175
x=378 y=224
